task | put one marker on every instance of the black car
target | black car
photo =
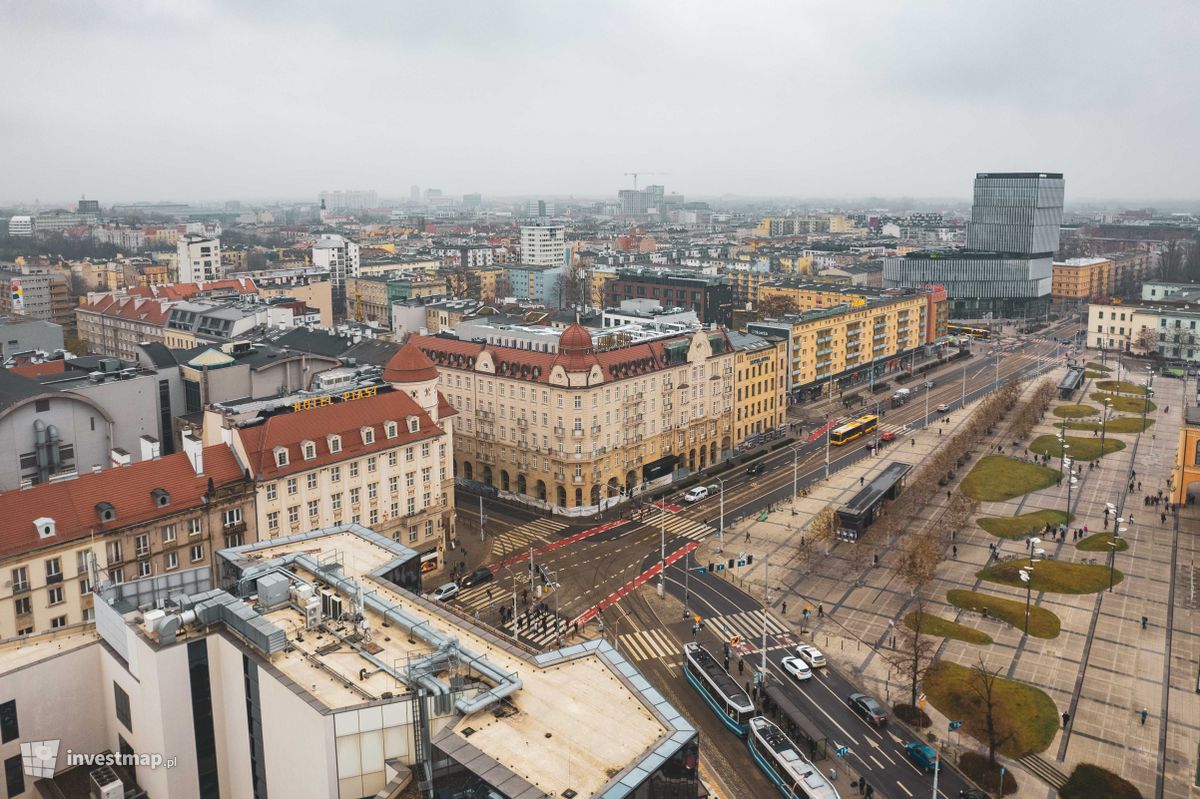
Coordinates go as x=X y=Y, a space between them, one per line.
x=481 y=575
x=755 y=469
x=868 y=708
x=975 y=793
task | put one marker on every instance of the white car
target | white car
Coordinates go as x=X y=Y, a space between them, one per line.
x=797 y=668
x=696 y=494
x=942 y=407
x=811 y=655
x=444 y=592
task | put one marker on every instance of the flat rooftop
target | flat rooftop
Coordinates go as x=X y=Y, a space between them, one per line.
x=582 y=710
x=24 y=650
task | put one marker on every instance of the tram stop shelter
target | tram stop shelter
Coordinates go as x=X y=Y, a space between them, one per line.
x=856 y=516
x=802 y=729
x=1071 y=382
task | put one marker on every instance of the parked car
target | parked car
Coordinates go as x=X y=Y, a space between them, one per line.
x=942 y=407
x=696 y=494
x=481 y=575
x=797 y=668
x=928 y=384
x=444 y=592
x=868 y=708
x=755 y=468
x=811 y=655
x=923 y=755
x=887 y=435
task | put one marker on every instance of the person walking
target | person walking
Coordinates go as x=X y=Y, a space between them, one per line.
x=954 y=551
x=1145 y=713
x=1066 y=719
x=820 y=610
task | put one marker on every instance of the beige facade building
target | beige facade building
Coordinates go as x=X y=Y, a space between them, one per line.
x=113 y=325
x=155 y=516
x=760 y=393
x=573 y=429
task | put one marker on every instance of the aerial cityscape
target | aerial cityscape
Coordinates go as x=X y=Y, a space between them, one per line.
x=522 y=400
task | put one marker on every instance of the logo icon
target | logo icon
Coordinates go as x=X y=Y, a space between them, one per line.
x=39 y=757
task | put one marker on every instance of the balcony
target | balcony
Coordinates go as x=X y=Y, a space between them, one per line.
x=20 y=588
x=483 y=435
x=577 y=479
x=485 y=416
x=595 y=429
x=523 y=423
x=667 y=407
x=636 y=418
x=235 y=528
x=577 y=432
x=634 y=397
x=560 y=431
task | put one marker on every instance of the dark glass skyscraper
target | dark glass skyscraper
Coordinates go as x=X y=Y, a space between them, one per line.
x=1016 y=213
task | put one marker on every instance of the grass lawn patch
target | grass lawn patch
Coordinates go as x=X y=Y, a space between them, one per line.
x=1125 y=404
x=1057 y=576
x=1079 y=449
x=999 y=477
x=1090 y=375
x=1121 y=424
x=1025 y=713
x=944 y=628
x=987 y=775
x=1023 y=525
x=1075 y=411
x=1122 y=386
x=1091 y=782
x=1099 y=543
x=1042 y=623
x=1097 y=366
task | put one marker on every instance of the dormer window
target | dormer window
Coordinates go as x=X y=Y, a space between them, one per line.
x=309 y=448
x=414 y=424
x=391 y=429
x=161 y=498
x=368 y=435
x=281 y=456
x=106 y=511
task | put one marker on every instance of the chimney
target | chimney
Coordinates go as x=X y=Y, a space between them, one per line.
x=195 y=452
x=120 y=457
x=150 y=448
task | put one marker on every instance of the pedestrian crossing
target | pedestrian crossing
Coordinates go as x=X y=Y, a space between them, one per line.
x=747 y=626
x=485 y=597
x=540 y=630
x=524 y=536
x=646 y=645
x=680 y=526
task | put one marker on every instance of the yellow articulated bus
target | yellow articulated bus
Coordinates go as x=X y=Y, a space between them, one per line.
x=846 y=433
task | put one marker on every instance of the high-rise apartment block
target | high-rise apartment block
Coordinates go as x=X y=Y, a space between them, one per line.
x=340 y=256
x=199 y=258
x=543 y=245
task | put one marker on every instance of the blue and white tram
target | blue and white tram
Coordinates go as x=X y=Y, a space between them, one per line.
x=718 y=688
x=781 y=761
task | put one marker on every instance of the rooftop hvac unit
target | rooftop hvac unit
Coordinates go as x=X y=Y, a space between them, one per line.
x=312 y=613
x=105 y=784
x=331 y=604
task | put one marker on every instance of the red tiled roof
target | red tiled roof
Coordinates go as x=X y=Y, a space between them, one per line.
x=72 y=503
x=346 y=419
x=35 y=369
x=409 y=365
x=136 y=309
x=445 y=408
x=183 y=291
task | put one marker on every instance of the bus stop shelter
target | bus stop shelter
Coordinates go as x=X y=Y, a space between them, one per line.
x=856 y=516
x=1071 y=382
x=796 y=724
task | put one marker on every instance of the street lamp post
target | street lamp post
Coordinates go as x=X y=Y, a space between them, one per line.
x=1104 y=423
x=795 y=474
x=1062 y=451
x=662 y=552
x=964 y=381
x=1070 y=482
x=1112 y=552
x=827 y=428
x=721 y=519
x=1027 y=578
x=926 y=404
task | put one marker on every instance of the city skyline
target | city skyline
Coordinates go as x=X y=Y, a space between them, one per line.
x=837 y=103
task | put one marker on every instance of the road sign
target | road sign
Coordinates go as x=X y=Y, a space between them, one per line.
x=696 y=618
x=921 y=701
x=842 y=751
x=1002 y=770
x=741 y=563
x=735 y=640
x=954 y=725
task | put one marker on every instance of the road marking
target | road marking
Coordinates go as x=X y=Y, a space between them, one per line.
x=876 y=762
x=632 y=585
x=562 y=542
x=901 y=786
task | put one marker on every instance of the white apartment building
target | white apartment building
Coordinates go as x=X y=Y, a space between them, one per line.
x=20 y=226
x=543 y=245
x=199 y=258
x=339 y=255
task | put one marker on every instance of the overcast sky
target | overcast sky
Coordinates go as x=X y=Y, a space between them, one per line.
x=189 y=100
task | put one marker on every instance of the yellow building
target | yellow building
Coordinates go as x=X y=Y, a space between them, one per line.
x=836 y=346
x=809 y=295
x=573 y=430
x=1186 y=477
x=760 y=384
x=1081 y=279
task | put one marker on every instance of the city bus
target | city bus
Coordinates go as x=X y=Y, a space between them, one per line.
x=846 y=433
x=717 y=687
x=780 y=759
x=967 y=330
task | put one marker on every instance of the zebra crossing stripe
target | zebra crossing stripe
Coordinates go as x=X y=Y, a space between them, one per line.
x=649 y=645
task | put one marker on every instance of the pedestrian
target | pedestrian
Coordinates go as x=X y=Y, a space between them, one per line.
x=785 y=607
x=1066 y=720
x=1139 y=485
x=954 y=551
x=747 y=536
x=1144 y=621
x=820 y=610
x=870 y=791
x=862 y=787
x=1162 y=518
x=1145 y=713
x=860 y=479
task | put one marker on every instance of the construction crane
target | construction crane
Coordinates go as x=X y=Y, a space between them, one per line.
x=635 y=176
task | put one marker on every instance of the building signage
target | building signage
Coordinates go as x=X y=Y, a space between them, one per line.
x=345 y=396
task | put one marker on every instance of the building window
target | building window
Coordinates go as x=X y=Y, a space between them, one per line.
x=273 y=520
x=232 y=516
x=373 y=517
x=335 y=444
x=294 y=515
x=368 y=435
x=371 y=463
x=410 y=479
x=193 y=526
x=412 y=505
x=281 y=457
x=141 y=545
x=353 y=469
x=372 y=490
x=14 y=775
x=310 y=451
x=20 y=579
x=355 y=493
x=85 y=586
x=412 y=535
x=9 y=729
x=171 y=560
x=336 y=499
x=197 y=552
x=391 y=429
x=408 y=454
x=392 y=458
x=143 y=568
x=292 y=486
x=393 y=485
x=314 y=508
x=168 y=533
x=311 y=480
x=53 y=569
x=335 y=474
x=112 y=552
x=121 y=701
x=23 y=606
x=428 y=528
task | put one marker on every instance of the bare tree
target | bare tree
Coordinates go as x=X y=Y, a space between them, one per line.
x=1146 y=340
x=774 y=306
x=982 y=685
x=915 y=652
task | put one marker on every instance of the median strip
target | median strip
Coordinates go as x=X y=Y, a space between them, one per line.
x=629 y=587
x=559 y=544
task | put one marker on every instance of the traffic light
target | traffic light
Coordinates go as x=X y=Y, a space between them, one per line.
x=749 y=559
x=730 y=564
x=710 y=565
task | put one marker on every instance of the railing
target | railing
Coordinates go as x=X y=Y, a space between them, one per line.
x=523 y=422
x=560 y=431
x=486 y=415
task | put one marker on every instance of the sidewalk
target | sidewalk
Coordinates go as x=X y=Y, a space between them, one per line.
x=1102 y=669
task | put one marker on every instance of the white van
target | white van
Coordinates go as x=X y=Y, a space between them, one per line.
x=696 y=494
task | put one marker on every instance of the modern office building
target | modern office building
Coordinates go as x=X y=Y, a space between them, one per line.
x=199 y=258
x=544 y=245
x=573 y=430
x=1005 y=270
x=21 y=334
x=340 y=257
x=20 y=226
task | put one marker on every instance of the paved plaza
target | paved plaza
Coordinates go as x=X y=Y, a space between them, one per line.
x=1103 y=669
